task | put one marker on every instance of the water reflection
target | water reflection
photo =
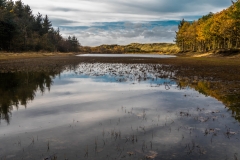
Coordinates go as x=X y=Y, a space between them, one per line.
x=20 y=88
x=115 y=111
x=128 y=55
x=219 y=91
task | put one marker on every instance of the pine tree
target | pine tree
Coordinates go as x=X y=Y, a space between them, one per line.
x=20 y=30
x=46 y=25
x=7 y=25
x=2 y=3
x=37 y=25
x=19 y=9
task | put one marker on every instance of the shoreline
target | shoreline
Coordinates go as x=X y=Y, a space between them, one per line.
x=19 y=55
x=26 y=55
x=18 y=62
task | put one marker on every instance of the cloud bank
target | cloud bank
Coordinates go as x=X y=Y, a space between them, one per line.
x=123 y=32
x=96 y=22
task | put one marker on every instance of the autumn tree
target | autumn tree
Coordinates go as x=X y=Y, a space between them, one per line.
x=213 y=31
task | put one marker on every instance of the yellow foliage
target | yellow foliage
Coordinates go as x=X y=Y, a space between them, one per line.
x=213 y=31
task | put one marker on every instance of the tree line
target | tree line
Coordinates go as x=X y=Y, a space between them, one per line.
x=20 y=30
x=211 y=32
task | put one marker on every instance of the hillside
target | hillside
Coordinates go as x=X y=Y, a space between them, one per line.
x=133 y=48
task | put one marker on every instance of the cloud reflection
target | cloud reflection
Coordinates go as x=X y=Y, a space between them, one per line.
x=107 y=116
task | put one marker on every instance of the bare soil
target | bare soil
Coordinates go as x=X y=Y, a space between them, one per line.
x=203 y=67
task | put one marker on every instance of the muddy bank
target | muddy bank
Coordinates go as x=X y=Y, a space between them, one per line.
x=201 y=66
x=224 y=69
x=226 y=53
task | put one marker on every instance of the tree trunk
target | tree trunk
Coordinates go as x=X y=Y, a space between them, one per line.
x=236 y=43
x=224 y=43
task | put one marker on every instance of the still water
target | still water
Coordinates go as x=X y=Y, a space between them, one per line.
x=111 y=111
x=128 y=55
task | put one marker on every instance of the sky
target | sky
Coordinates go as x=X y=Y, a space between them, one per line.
x=96 y=22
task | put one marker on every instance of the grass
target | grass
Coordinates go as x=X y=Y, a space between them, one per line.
x=9 y=55
x=134 y=48
x=167 y=48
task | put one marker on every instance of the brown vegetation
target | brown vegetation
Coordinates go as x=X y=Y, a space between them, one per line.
x=6 y=55
x=133 y=48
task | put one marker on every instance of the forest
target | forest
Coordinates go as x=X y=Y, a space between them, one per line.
x=219 y=31
x=21 y=31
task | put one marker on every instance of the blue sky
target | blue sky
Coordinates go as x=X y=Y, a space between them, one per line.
x=96 y=22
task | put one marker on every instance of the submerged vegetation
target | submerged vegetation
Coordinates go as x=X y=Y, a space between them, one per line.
x=214 y=77
x=133 y=48
x=219 y=31
x=136 y=119
x=20 y=31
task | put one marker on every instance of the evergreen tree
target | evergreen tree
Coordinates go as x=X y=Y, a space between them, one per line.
x=46 y=25
x=2 y=3
x=7 y=26
x=20 y=30
x=37 y=24
x=19 y=9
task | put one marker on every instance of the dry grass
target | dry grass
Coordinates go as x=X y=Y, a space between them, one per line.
x=167 y=48
x=7 y=56
x=203 y=55
x=217 y=53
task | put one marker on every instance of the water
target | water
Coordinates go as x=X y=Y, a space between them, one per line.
x=128 y=55
x=111 y=111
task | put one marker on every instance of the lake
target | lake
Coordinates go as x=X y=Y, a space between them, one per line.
x=112 y=111
x=128 y=55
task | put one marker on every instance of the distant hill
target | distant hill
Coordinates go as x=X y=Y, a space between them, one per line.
x=133 y=48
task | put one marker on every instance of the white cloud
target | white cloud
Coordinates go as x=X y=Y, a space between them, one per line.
x=87 y=12
x=123 y=33
x=124 y=10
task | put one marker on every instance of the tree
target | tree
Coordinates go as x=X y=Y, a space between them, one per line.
x=20 y=30
x=37 y=24
x=7 y=26
x=2 y=3
x=46 y=25
x=182 y=34
x=212 y=31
